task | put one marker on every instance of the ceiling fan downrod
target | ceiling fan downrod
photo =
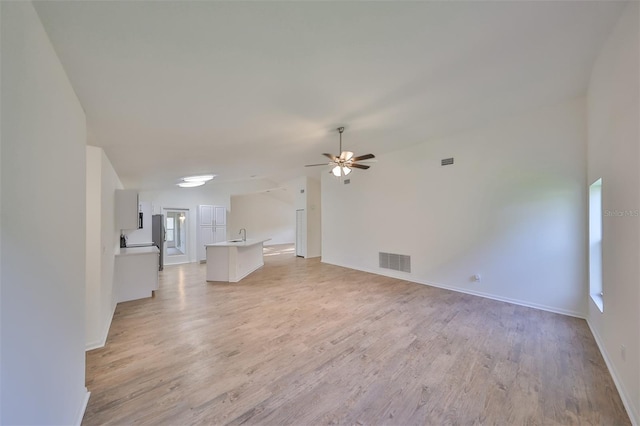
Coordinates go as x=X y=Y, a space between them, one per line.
x=340 y=130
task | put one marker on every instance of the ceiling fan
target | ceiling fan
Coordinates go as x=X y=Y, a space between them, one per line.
x=345 y=161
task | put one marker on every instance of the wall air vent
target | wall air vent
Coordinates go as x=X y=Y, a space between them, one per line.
x=446 y=161
x=397 y=262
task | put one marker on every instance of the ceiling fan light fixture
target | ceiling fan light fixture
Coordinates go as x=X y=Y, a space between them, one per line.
x=201 y=178
x=190 y=184
x=339 y=171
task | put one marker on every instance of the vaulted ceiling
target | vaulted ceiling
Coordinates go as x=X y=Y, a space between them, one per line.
x=256 y=89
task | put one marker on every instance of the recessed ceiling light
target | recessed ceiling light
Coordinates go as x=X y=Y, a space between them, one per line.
x=201 y=178
x=190 y=184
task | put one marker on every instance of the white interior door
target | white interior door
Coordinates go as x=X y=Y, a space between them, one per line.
x=301 y=233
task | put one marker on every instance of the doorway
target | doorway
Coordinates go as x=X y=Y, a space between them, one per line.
x=176 y=244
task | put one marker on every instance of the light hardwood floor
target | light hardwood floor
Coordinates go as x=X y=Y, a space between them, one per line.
x=304 y=343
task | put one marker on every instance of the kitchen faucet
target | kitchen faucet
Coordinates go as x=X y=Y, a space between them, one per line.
x=244 y=237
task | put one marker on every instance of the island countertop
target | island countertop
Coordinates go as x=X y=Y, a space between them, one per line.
x=128 y=251
x=249 y=242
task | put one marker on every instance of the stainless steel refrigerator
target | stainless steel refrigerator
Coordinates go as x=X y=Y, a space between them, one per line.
x=158 y=234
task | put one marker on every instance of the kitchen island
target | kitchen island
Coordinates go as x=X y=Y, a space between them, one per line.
x=231 y=261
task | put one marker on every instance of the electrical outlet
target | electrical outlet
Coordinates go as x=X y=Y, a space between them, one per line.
x=623 y=352
x=476 y=278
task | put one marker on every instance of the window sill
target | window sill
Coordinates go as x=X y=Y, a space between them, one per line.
x=599 y=301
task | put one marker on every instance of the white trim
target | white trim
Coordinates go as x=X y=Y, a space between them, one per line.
x=408 y=277
x=181 y=258
x=181 y=262
x=624 y=395
x=598 y=300
x=507 y=300
x=83 y=407
x=105 y=333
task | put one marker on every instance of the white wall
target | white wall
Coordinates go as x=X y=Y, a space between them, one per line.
x=1 y=235
x=93 y=246
x=264 y=215
x=43 y=229
x=613 y=155
x=103 y=240
x=512 y=208
x=314 y=218
x=144 y=235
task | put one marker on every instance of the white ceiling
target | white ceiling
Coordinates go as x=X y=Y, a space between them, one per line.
x=246 y=89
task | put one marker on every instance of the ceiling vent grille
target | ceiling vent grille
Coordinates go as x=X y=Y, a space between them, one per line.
x=446 y=161
x=397 y=262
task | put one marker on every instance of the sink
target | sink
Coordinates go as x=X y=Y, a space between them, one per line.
x=236 y=241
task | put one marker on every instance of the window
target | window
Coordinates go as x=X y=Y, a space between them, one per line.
x=595 y=244
x=170 y=228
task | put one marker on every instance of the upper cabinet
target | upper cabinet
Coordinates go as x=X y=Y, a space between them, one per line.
x=219 y=216
x=126 y=209
x=212 y=215
x=205 y=215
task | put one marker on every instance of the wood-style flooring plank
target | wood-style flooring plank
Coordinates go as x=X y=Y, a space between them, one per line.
x=303 y=343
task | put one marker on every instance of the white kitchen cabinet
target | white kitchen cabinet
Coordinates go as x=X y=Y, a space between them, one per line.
x=219 y=234
x=135 y=273
x=212 y=215
x=219 y=216
x=205 y=215
x=212 y=228
x=213 y=234
x=126 y=209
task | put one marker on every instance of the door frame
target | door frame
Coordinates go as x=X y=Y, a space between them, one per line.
x=182 y=258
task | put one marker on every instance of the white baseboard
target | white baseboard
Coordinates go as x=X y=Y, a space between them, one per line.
x=634 y=416
x=408 y=277
x=507 y=300
x=83 y=407
x=105 y=333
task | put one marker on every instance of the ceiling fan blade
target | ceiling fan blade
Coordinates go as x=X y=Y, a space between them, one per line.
x=363 y=157
x=346 y=155
x=359 y=166
x=331 y=156
x=321 y=164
